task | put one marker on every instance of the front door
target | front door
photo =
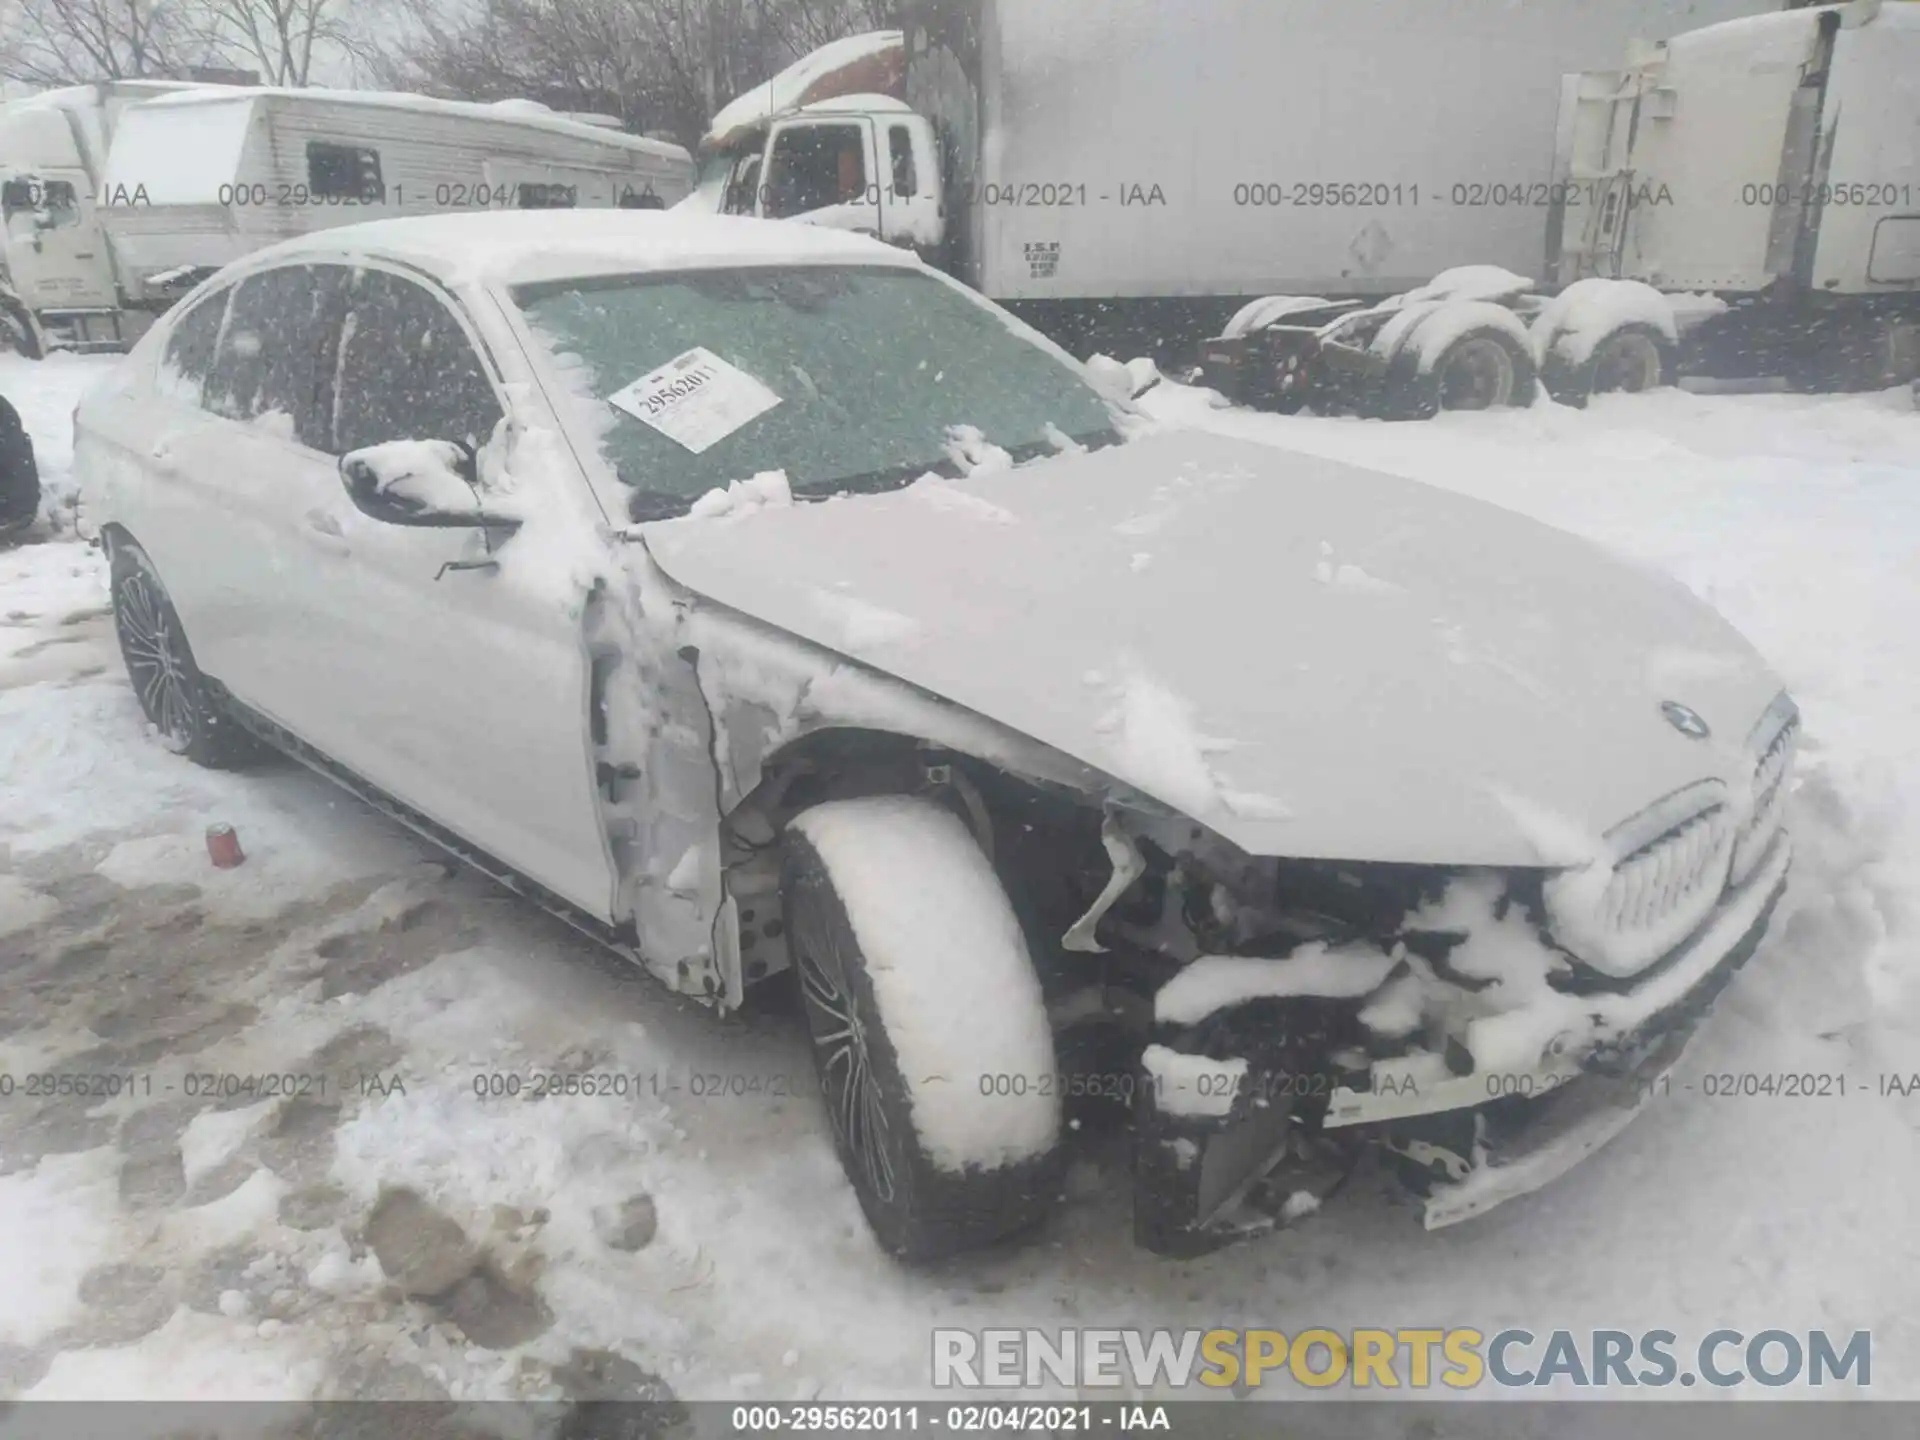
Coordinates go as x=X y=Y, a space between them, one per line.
x=824 y=172
x=54 y=245
x=456 y=690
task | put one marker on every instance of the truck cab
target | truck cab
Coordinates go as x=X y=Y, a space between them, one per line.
x=58 y=278
x=866 y=163
x=53 y=257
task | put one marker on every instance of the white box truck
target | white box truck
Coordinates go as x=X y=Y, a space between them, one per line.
x=188 y=181
x=1147 y=166
x=53 y=257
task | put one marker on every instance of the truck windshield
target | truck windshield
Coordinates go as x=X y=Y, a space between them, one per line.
x=847 y=379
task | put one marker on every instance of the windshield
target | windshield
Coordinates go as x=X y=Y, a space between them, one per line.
x=846 y=379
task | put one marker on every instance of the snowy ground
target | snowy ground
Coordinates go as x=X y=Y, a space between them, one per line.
x=168 y=1244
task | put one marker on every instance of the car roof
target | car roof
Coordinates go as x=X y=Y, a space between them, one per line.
x=522 y=246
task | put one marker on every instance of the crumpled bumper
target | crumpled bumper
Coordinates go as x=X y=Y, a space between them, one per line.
x=1463 y=1142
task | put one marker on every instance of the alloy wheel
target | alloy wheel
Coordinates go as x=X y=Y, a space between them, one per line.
x=843 y=1051
x=156 y=661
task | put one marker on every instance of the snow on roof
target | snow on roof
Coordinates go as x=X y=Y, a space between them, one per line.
x=870 y=62
x=521 y=246
x=511 y=112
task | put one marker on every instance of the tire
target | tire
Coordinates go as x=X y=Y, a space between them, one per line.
x=17 y=334
x=19 y=476
x=175 y=697
x=1482 y=368
x=1631 y=360
x=921 y=1003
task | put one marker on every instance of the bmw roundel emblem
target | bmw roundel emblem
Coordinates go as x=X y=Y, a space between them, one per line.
x=1684 y=719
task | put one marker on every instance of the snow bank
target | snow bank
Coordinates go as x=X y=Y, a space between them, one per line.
x=1587 y=311
x=1119 y=380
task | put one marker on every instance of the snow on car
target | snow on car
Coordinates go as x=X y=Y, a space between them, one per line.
x=759 y=600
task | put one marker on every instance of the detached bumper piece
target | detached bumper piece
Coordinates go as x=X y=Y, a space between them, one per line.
x=1226 y=1150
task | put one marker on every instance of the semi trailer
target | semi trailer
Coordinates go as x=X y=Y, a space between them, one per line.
x=1268 y=185
x=1752 y=208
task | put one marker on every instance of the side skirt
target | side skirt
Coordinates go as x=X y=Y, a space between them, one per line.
x=621 y=939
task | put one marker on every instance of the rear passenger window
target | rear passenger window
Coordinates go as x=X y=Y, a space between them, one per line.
x=190 y=349
x=274 y=361
x=342 y=172
x=407 y=370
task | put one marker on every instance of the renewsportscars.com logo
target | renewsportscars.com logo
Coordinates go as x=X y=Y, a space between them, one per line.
x=1373 y=1359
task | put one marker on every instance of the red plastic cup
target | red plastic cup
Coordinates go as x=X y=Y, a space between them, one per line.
x=223 y=847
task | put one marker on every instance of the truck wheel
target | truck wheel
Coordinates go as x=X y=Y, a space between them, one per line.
x=929 y=1029
x=1632 y=359
x=17 y=332
x=1482 y=368
x=19 y=476
x=174 y=695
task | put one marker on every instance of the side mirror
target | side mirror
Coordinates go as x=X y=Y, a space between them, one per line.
x=419 y=482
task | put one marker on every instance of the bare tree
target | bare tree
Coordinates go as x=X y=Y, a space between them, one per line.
x=665 y=65
x=280 y=38
x=65 y=42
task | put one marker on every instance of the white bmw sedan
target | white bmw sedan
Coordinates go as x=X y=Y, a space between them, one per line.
x=764 y=602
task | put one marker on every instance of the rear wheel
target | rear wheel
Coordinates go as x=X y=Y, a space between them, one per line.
x=1483 y=367
x=175 y=697
x=1630 y=360
x=929 y=1030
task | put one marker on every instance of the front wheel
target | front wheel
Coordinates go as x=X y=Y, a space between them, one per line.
x=175 y=697
x=929 y=1029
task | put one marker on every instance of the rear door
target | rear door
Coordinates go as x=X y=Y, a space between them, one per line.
x=233 y=430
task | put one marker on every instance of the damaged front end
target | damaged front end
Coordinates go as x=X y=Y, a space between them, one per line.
x=1480 y=1031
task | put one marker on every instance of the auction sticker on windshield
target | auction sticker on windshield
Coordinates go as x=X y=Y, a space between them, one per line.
x=696 y=399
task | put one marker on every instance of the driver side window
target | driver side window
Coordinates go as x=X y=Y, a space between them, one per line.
x=407 y=370
x=814 y=166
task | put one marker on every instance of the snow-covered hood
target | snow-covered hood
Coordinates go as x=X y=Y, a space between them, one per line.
x=1313 y=659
